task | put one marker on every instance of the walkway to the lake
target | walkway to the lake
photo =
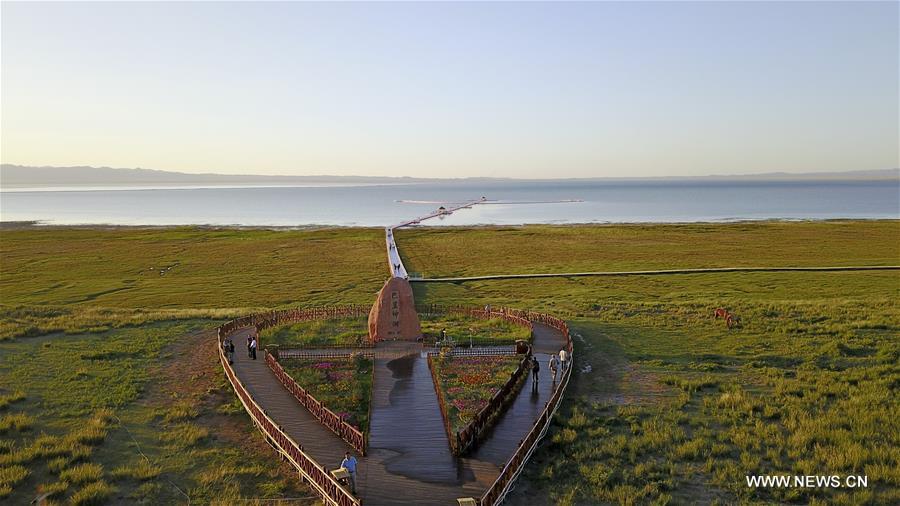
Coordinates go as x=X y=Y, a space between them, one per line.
x=409 y=459
x=395 y=263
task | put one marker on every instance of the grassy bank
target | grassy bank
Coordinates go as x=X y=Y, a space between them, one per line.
x=138 y=415
x=666 y=405
x=189 y=268
x=463 y=330
x=309 y=334
x=447 y=251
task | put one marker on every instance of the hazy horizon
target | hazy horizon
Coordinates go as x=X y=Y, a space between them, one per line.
x=453 y=90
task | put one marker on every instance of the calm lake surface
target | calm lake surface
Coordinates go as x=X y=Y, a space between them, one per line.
x=378 y=205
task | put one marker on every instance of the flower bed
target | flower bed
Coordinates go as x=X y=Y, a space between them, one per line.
x=349 y=332
x=466 y=384
x=462 y=328
x=343 y=385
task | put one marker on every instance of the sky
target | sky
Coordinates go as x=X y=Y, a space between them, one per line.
x=529 y=90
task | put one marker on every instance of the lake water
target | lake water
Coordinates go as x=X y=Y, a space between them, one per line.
x=378 y=205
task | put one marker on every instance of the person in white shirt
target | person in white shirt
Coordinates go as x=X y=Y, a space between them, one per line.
x=563 y=359
x=253 y=349
x=554 y=366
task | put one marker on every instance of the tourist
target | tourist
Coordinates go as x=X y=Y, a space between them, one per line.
x=443 y=335
x=535 y=369
x=249 y=341
x=253 y=349
x=563 y=359
x=349 y=463
x=554 y=366
x=230 y=351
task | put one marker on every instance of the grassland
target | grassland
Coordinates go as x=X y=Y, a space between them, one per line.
x=447 y=251
x=667 y=405
x=310 y=334
x=464 y=330
x=137 y=415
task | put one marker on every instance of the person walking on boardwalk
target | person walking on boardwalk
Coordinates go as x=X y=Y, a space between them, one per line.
x=249 y=341
x=230 y=351
x=535 y=369
x=554 y=366
x=563 y=359
x=253 y=349
x=349 y=463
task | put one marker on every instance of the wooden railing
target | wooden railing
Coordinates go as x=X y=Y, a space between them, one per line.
x=304 y=353
x=501 y=486
x=314 y=473
x=317 y=475
x=352 y=435
x=477 y=352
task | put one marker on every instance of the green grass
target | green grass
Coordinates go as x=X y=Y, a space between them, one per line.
x=96 y=492
x=11 y=398
x=342 y=385
x=463 y=329
x=95 y=400
x=667 y=405
x=78 y=280
x=673 y=408
x=452 y=251
x=805 y=388
x=309 y=334
x=82 y=473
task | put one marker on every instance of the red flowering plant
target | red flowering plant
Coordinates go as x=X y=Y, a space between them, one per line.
x=343 y=385
x=468 y=383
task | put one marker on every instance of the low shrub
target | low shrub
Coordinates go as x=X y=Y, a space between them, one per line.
x=93 y=493
x=82 y=473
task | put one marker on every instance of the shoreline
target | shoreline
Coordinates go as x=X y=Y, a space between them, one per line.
x=41 y=225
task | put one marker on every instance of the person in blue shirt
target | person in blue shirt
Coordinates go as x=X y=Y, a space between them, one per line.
x=349 y=463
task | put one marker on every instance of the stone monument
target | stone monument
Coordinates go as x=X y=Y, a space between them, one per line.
x=393 y=316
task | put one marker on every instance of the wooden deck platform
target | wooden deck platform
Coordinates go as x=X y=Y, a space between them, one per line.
x=409 y=459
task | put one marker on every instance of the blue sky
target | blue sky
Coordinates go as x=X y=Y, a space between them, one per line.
x=453 y=89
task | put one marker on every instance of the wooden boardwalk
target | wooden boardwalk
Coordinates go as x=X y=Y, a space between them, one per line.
x=319 y=442
x=409 y=459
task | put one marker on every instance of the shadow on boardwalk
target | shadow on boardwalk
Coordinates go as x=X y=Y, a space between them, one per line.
x=409 y=459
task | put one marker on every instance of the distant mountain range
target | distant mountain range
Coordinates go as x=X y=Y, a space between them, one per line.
x=19 y=176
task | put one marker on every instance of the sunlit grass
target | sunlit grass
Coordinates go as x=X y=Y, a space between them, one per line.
x=674 y=408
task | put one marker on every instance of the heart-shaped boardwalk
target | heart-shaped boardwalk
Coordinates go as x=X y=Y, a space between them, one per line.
x=408 y=459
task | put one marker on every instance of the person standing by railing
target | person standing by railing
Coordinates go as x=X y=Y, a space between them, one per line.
x=349 y=463
x=253 y=348
x=563 y=359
